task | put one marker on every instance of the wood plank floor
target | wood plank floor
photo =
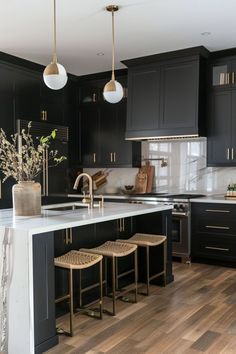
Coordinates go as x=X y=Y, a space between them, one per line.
x=194 y=314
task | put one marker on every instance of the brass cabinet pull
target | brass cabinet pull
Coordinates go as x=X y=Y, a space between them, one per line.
x=227 y=78
x=217 y=211
x=71 y=235
x=228 y=154
x=233 y=77
x=42 y=115
x=94 y=157
x=46 y=172
x=66 y=237
x=222 y=78
x=217 y=227
x=114 y=157
x=111 y=157
x=217 y=248
x=232 y=154
x=46 y=115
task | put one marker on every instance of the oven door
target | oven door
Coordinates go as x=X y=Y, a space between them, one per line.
x=180 y=234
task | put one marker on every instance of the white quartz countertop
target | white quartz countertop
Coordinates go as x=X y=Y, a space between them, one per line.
x=51 y=220
x=213 y=199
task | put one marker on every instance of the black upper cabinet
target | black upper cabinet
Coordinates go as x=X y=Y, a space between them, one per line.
x=90 y=123
x=143 y=99
x=103 y=124
x=179 y=98
x=221 y=143
x=27 y=95
x=165 y=95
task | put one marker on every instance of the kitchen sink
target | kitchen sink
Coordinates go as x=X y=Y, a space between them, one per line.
x=66 y=206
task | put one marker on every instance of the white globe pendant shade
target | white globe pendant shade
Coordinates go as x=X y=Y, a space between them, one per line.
x=55 y=76
x=113 y=92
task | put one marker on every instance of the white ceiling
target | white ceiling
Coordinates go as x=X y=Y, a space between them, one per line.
x=143 y=27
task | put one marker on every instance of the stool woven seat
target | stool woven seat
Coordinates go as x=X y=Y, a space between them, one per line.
x=145 y=240
x=77 y=260
x=112 y=249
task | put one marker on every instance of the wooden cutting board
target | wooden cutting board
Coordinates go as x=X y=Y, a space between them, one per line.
x=144 y=178
x=141 y=182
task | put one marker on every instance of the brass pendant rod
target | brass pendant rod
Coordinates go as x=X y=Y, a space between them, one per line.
x=113 y=48
x=54 y=59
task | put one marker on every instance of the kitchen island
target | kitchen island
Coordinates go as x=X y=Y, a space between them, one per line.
x=27 y=272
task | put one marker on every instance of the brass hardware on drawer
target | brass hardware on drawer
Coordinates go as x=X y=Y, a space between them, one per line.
x=228 y=154
x=233 y=77
x=114 y=157
x=66 y=237
x=217 y=248
x=94 y=157
x=217 y=227
x=70 y=236
x=217 y=211
x=232 y=154
x=227 y=78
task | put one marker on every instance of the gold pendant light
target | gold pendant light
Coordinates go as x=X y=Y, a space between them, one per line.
x=113 y=91
x=54 y=75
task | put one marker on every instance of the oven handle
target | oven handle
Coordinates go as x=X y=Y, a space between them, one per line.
x=186 y=215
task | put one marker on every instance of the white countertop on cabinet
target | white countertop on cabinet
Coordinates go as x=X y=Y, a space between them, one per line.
x=51 y=220
x=213 y=199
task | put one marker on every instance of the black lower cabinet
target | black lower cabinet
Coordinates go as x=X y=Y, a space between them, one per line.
x=213 y=235
x=44 y=296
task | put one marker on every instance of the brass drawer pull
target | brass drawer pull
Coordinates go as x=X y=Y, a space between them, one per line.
x=228 y=158
x=114 y=156
x=232 y=154
x=217 y=227
x=217 y=248
x=111 y=157
x=233 y=77
x=217 y=211
x=94 y=157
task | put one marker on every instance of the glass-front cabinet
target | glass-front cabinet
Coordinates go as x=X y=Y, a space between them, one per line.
x=224 y=73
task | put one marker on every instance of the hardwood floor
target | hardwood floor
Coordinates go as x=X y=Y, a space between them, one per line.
x=194 y=314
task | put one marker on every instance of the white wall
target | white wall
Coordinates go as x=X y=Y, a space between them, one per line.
x=186 y=170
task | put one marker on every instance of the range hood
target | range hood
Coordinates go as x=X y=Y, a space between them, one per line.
x=167 y=137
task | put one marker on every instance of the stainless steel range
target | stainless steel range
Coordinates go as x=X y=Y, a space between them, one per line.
x=181 y=219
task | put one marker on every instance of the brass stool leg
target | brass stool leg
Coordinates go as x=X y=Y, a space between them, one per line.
x=105 y=262
x=101 y=285
x=71 y=302
x=114 y=285
x=117 y=274
x=164 y=260
x=136 y=274
x=80 y=288
x=147 y=266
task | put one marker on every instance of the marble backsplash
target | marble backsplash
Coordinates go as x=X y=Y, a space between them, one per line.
x=186 y=169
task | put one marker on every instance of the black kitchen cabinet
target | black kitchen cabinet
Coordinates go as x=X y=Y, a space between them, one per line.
x=7 y=124
x=103 y=128
x=27 y=95
x=143 y=100
x=90 y=139
x=166 y=95
x=180 y=98
x=221 y=144
x=220 y=129
x=44 y=296
x=7 y=79
x=213 y=235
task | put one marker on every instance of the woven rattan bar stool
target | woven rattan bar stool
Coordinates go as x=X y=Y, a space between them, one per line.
x=147 y=241
x=114 y=251
x=80 y=261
